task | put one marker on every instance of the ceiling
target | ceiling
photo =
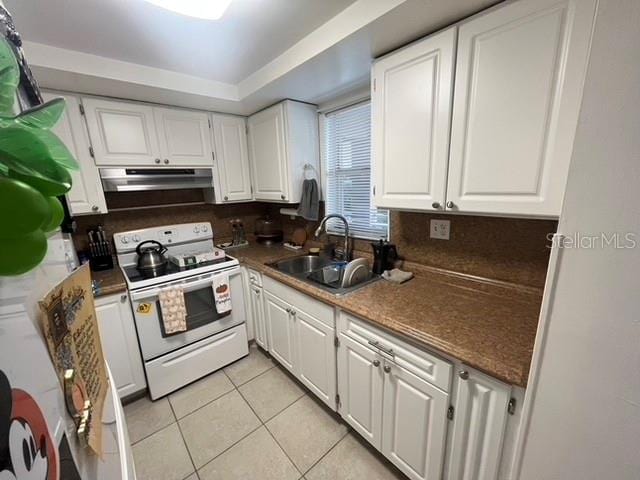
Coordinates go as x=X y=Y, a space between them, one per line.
x=258 y=53
x=249 y=35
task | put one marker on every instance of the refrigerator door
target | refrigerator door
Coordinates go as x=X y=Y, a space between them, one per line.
x=30 y=387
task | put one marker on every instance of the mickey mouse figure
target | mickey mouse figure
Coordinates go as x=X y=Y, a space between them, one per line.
x=26 y=449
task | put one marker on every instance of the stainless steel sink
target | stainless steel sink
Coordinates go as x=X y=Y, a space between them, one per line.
x=303 y=264
x=323 y=272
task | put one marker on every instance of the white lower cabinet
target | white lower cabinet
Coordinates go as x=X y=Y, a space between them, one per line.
x=254 y=304
x=120 y=343
x=414 y=423
x=316 y=359
x=280 y=330
x=399 y=398
x=398 y=412
x=360 y=386
x=257 y=309
x=477 y=437
x=301 y=336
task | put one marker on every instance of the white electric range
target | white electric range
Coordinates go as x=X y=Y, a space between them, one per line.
x=211 y=340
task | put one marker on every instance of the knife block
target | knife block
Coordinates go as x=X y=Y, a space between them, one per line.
x=100 y=256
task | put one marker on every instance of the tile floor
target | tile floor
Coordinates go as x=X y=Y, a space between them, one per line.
x=250 y=420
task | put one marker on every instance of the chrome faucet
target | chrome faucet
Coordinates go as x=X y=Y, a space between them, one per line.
x=345 y=254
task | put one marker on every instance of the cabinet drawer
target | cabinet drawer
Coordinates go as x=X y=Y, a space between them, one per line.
x=300 y=301
x=427 y=366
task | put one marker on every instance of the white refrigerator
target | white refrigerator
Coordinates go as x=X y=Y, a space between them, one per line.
x=37 y=435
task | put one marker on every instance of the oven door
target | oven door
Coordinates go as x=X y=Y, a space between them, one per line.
x=202 y=318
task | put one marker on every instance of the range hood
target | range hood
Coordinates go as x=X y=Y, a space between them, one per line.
x=144 y=179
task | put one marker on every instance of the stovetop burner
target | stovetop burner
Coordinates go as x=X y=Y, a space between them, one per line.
x=134 y=275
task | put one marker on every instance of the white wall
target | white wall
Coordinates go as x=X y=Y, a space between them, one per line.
x=585 y=421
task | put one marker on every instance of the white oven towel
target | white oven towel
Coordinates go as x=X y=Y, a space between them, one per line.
x=174 y=312
x=222 y=293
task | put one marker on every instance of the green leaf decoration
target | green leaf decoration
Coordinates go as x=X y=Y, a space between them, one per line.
x=18 y=255
x=9 y=77
x=34 y=169
x=43 y=116
x=36 y=153
x=23 y=209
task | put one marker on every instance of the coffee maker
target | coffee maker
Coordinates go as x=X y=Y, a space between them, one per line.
x=385 y=255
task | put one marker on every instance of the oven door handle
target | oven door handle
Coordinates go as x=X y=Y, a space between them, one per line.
x=188 y=284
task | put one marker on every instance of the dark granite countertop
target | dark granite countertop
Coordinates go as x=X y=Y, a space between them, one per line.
x=110 y=281
x=486 y=324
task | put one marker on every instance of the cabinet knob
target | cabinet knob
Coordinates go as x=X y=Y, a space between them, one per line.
x=376 y=363
x=166 y=161
x=435 y=205
x=283 y=197
x=387 y=369
x=157 y=160
x=463 y=374
x=95 y=208
x=123 y=298
x=450 y=204
x=226 y=198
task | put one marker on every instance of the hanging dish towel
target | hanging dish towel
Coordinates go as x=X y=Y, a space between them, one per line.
x=222 y=294
x=309 y=207
x=174 y=312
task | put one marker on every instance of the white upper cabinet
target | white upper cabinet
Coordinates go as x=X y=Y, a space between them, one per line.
x=411 y=95
x=282 y=140
x=519 y=76
x=268 y=154
x=231 y=154
x=122 y=133
x=135 y=134
x=476 y=443
x=184 y=137
x=86 y=195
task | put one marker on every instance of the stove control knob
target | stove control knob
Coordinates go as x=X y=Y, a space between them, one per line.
x=204 y=228
x=196 y=229
x=136 y=238
x=124 y=239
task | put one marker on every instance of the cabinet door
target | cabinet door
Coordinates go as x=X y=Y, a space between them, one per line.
x=120 y=343
x=519 y=77
x=479 y=425
x=257 y=307
x=267 y=144
x=411 y=104
x=121 y=133
x=230 y=140
x=316 y=359
x=184 y=137
x=414 y=424
x=280 y=330
x=86 y=195
x=360 y=388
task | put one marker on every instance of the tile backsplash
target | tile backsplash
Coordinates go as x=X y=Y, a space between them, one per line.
x=506 y=249
x=218 y=215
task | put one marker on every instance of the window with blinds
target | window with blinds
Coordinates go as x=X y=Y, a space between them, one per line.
x=347 y=137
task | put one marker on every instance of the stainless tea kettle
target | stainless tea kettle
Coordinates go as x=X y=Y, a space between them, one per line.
x=151 y=260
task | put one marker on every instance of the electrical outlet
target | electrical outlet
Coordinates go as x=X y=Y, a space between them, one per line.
x=440 y=229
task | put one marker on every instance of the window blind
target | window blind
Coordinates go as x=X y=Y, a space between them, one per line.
x=347 y=137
